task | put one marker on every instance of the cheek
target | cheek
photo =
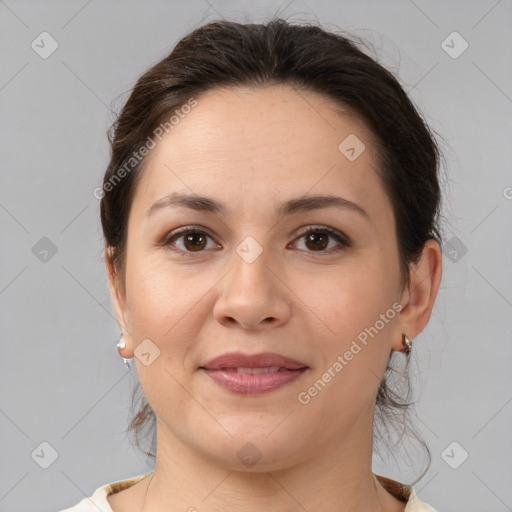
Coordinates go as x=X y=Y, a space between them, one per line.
x=156 y=289
x=355 y=349
x=163 y=308
x=170 y=305
x=359 y=312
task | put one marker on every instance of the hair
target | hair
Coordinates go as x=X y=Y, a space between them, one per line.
x=307 y=58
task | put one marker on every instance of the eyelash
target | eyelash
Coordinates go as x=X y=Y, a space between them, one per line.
x=302 y=232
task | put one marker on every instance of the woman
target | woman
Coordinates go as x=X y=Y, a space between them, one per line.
x=270 y=213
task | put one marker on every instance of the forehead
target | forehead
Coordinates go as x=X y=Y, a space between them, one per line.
x=268 y=143
x=270 y=119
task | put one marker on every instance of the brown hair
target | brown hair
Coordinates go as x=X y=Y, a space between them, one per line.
x=224 y=53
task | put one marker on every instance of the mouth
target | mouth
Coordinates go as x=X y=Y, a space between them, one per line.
x=253 y=374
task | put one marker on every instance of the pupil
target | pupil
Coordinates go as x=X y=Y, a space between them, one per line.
x=199 y=239
x=314 y=237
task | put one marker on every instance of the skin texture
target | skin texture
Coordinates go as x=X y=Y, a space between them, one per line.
x=253 y=149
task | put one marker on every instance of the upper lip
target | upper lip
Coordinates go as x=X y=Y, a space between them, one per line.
x=262 y=360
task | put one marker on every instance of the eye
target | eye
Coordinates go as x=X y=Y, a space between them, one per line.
x=316 y=239
x=193 y=240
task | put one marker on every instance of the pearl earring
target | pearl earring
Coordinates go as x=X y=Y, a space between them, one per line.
x=120 y=346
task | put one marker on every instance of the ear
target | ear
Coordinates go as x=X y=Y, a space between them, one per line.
x=118 y=294
x=418 y=299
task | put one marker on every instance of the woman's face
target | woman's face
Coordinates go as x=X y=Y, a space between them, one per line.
x=253 y=279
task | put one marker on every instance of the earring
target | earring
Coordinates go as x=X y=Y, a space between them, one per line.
x=407 y=344
x=120 y=346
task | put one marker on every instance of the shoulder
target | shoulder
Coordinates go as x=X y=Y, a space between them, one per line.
x=97 y=501
x=414 y=504
x=406 y=494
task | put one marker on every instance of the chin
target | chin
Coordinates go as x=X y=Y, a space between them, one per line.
x=256 y=451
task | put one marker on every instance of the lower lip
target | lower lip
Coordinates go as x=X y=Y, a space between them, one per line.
x=253 y=384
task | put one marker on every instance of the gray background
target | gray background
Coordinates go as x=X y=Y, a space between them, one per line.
x=63 y=382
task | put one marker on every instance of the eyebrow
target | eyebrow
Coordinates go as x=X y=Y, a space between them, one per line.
x=302 y=204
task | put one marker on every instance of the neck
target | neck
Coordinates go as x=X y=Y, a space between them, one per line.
x=335 y=478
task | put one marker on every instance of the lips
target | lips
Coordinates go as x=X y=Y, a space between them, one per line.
x=253 y=374
x=269 y=360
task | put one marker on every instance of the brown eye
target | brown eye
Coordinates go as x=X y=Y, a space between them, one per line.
x=317 y=241
x=188 y=240
x=194 y=241
x=319 y=238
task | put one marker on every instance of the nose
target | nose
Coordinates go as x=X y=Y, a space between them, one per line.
x=253 y=295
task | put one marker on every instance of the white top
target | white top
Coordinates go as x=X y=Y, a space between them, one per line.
x=98 y=502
